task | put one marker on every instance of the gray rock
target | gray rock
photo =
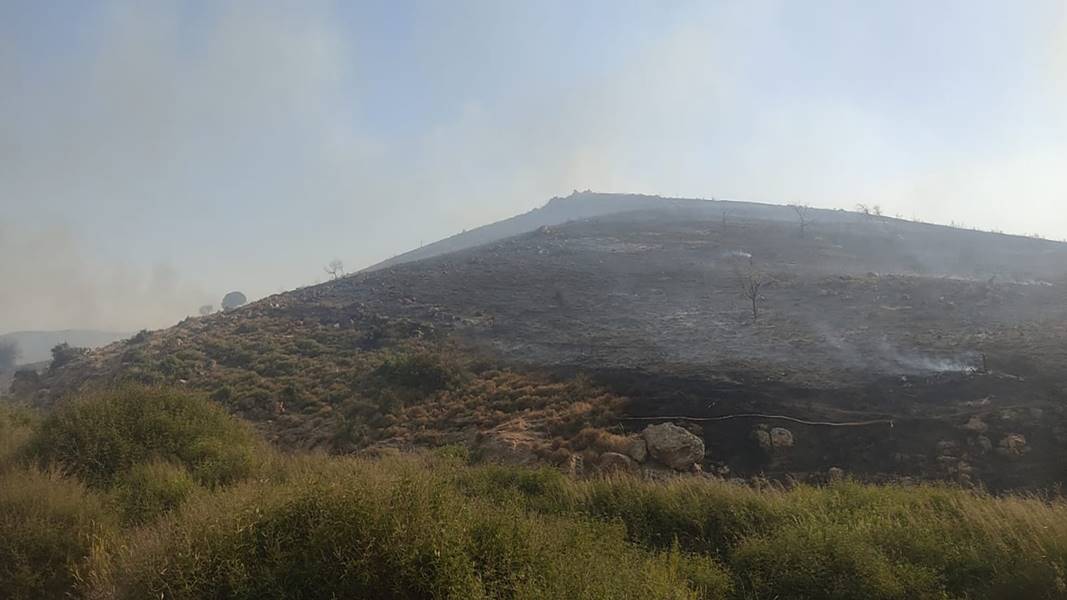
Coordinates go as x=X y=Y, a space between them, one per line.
x=1013 y=445
x=638 y=449
x=781 y=437
x=614 y=462
x=762 y=438
x=673 y=446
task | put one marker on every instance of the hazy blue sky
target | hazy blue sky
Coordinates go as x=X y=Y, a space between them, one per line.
x=155 y=155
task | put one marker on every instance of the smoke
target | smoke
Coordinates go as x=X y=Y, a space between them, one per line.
x=885 y=356
x=51 y=279
x=9 y=354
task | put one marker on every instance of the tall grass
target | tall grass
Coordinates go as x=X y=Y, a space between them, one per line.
x=131 y=514
x=49 y=528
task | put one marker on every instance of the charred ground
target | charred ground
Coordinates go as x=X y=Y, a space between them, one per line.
x=886 y=348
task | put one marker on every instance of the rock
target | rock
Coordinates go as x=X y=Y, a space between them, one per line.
x=614 y=462
x=976 y=424
x=762 y=438
x=673 y=446
x=574 y=465
x=985 y=445
x=1013 y=445
x=507 y=450
x=947 y=448
x=638 y=449
x=781 y=437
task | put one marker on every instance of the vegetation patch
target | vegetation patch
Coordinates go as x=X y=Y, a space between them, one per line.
x=101 y=435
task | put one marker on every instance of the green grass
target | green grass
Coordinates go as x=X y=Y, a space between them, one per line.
x=131 y=511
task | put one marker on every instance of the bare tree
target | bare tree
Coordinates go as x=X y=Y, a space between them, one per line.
x=206 y=310
x=803 y=211
x=752 y=281
x=336 y=269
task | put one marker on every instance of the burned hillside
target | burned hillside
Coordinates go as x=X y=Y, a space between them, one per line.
x=882 y=348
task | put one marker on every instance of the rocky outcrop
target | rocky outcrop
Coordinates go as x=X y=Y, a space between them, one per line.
x=673 y=446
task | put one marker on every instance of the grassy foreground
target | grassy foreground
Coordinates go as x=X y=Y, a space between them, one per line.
x=151 y=493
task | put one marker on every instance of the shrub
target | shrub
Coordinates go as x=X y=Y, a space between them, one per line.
x=149 y=490
x=420 y=371
x=49 y=527
x=358 y=529
x=102 y=434
x=16 y=428
x=63 y=354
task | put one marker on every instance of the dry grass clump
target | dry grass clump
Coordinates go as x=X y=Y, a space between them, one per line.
x=50 y=527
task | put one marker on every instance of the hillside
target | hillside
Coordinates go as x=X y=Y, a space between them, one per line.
x=884 y=348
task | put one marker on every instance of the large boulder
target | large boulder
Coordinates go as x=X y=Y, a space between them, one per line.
x=673 y=446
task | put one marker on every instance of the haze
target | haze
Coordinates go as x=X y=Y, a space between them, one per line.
x=154 y=156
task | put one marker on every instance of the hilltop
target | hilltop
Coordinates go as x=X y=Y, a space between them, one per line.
x=885 y=348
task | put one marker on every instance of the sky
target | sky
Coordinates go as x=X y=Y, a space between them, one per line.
x=156 y=155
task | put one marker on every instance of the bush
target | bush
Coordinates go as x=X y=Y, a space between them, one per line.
x=424 y=372
x=49 y=528
x=149 y=490
x=16 y=428
x=379 y=530
x=101 y=435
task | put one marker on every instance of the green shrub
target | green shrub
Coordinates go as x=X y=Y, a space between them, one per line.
x=424 y=372
x=149 y=490
x=49 y=528
x=101 y=435
x=375 y=530
x=16 y=428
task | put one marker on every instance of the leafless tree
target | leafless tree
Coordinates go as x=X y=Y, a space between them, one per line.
x=206 y=310
x=751 y=280
x=803 y=211
x=335 y=269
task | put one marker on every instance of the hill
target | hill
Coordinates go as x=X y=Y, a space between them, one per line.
x=885 y=348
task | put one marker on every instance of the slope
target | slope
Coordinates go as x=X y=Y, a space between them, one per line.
x=886 y=348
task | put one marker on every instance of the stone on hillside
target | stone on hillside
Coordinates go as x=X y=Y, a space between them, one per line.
x=673 y=446
x=614 y=462
x=781 y=437
x=638 y=449
x=574 y=465
x=507 y=450
x=762 y=438
x=976 y=424
x=1013 y=445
